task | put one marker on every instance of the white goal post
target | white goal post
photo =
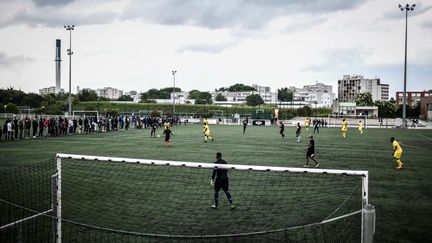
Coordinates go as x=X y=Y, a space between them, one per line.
x=368 y=213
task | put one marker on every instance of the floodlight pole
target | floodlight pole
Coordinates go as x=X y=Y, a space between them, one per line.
x=405 y=8
x=174 y=93
x=70 y=28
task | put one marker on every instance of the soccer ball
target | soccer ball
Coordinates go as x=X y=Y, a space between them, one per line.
x=158 y=136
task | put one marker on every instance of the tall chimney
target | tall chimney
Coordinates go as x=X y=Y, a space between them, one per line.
x=58 y=67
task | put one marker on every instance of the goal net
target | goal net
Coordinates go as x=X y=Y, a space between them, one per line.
x=352 y=120
x=108 y=199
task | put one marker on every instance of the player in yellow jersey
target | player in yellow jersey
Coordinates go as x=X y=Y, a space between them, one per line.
x=360 y=127
x=207 y=133
x=397 y=153
x=344 y=128
x=166 y=125
x=306 y=122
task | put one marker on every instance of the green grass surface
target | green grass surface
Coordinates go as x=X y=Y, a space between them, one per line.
x=402 y=198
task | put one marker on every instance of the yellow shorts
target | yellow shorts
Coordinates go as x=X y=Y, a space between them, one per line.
x=397 y=155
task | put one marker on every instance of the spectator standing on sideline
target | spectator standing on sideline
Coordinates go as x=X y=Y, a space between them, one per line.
x=34 y=126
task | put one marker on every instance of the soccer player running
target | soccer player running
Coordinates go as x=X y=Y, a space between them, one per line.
x=307 y=123
x=310 y=152
x=244 y=126
x=344 y=128
x=207 y=133
x=298 y=132
x=219 y=180
x=397 y=153
x=282 y=129
x=168 y=134
x=360 y=127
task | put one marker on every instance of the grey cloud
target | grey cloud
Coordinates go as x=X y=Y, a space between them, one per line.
x=52 y=2
x=6 y=60
x=338 y=58
x=296 y=26
x=249 y=14
x=207 y=48
x=427 y=24
x=57 y=18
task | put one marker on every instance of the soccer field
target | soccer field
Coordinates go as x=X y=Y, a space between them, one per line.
x=402 y=198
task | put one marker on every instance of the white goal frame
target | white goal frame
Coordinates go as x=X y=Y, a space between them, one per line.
x=349 y=118
x=368 y=215
x=84 y=113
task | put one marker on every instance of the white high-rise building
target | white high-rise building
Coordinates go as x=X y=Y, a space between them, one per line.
x=50 y=90
x=318 y=94
x=265 y=93
x=109 y=93
x=350 y=86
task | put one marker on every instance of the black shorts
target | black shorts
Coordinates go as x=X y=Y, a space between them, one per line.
x=310 y=154
x=222 y=183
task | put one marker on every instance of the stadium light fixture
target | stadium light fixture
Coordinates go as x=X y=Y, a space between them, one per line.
x=405 y=8
x=174 y=93
x=69 y=52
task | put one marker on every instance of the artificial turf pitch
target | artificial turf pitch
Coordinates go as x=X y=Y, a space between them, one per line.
x=403 y=199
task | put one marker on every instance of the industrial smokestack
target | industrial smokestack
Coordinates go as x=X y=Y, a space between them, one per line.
x=58 y=67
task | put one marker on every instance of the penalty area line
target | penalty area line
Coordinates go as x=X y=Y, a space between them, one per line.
x=424 y=136
x=406 y=145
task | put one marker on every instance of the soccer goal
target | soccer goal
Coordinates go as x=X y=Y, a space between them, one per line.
x=352 y=120
x=104 y=199
x=83 y=113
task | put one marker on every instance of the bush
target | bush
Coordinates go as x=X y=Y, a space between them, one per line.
x=155 y=114
x=11 y=108
x=2 y=108
x=301 y=112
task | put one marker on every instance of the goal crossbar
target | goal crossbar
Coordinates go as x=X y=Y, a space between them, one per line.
x=218 y=166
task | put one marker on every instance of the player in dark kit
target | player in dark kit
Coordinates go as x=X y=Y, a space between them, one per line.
x=282 y=128
x=298 y=132
x=220 y=180
x=310 y=153
x=153 y=129
x=168 y=134
x=244 y=126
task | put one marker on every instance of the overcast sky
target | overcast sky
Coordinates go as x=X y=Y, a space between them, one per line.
x=134 y=45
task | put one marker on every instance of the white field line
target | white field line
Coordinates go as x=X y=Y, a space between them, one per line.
x=424 y=136
x=409 y=146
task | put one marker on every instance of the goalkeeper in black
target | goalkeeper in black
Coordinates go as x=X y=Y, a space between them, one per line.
x=220 y=180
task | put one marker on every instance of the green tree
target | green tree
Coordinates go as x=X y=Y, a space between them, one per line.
x=220 y=97
x=2 y=107
x=240 y=87
x=11 y=108
x=203 y=98
x=10 y=95
x=285 y=94
x=125 y=98
x=194 y=94
x=301 y=112
x=33 y=100
x=155 y=114
x=308 y=110
x=386 y=109
x=254 y=100
x=87 y=95
x=364 y=99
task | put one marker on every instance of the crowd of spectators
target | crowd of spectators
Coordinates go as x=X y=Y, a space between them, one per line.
x=51 y=126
